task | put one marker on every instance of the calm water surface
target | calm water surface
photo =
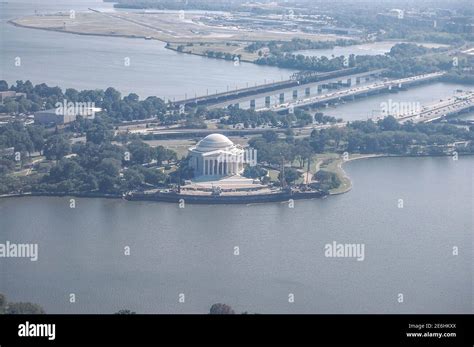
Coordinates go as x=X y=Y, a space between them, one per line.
x=190 y=250
x=88 y=62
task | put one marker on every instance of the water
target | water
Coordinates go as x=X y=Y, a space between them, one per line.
x=88 y=62
x=190 y=250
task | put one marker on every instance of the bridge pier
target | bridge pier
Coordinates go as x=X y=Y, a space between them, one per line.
x=367 y=78
x=307 y=91
x=282 y=98
x=252 y=104
x=357 y=80
x=267 y=101
x=320 y=89
x=349 y=82
x=295 y=94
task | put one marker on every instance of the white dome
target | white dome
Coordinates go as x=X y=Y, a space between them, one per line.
x=213 y=142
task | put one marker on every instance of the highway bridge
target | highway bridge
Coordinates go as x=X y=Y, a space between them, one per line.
x=236 y=96
x=460 y=103
x=351 y=93
x=271 y=98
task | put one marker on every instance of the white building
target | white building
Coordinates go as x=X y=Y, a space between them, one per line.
x=216 y=156
x=60 y=116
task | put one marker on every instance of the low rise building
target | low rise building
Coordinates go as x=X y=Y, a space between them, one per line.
x=10 y=94
x=64 y=116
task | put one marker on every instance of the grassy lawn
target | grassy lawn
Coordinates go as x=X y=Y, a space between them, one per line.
x=233 y=48
x=273 y=175
x=332 y=162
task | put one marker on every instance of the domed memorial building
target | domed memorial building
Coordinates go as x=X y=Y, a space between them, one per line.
x=216 y=156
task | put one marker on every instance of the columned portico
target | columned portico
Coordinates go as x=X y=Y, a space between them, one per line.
x=216 y=155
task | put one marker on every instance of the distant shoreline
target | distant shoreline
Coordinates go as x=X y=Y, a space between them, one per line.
x=12 y=22
x=57 y=30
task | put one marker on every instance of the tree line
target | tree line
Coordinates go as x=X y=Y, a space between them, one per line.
x=41 y=97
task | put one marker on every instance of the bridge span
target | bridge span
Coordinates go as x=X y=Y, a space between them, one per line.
x=463 y=102
x=352 y=93
x=236 y=96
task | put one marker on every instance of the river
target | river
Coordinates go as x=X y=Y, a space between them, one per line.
x=191 y=250
x=408 y=250
x=89 y=62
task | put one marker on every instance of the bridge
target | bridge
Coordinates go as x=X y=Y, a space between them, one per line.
x=457 y=104
x=297 y=80
x=352 y=93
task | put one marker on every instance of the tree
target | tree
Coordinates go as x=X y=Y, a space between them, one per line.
x=254 y=172
x=99 y=133
x=107 y=184
x=133 y=179
x=3 y=85
x=221 y=309
x=3 y=303
x=56 y=147
x=140 y=152
x=72 y=94
x=327 y=180
x=389 y=123
x=111 y=96
x=24 y=308
x=152 y=176
x=110 y=167
x=291 y=175
x=37 y=137
x=163 y=154
x=270 y=136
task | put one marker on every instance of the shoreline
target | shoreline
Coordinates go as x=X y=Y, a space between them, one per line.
x=123 y=36
x=244 y=201
x=341 y=162
x=177 y=198
x=204 y=55
x=57 y=30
